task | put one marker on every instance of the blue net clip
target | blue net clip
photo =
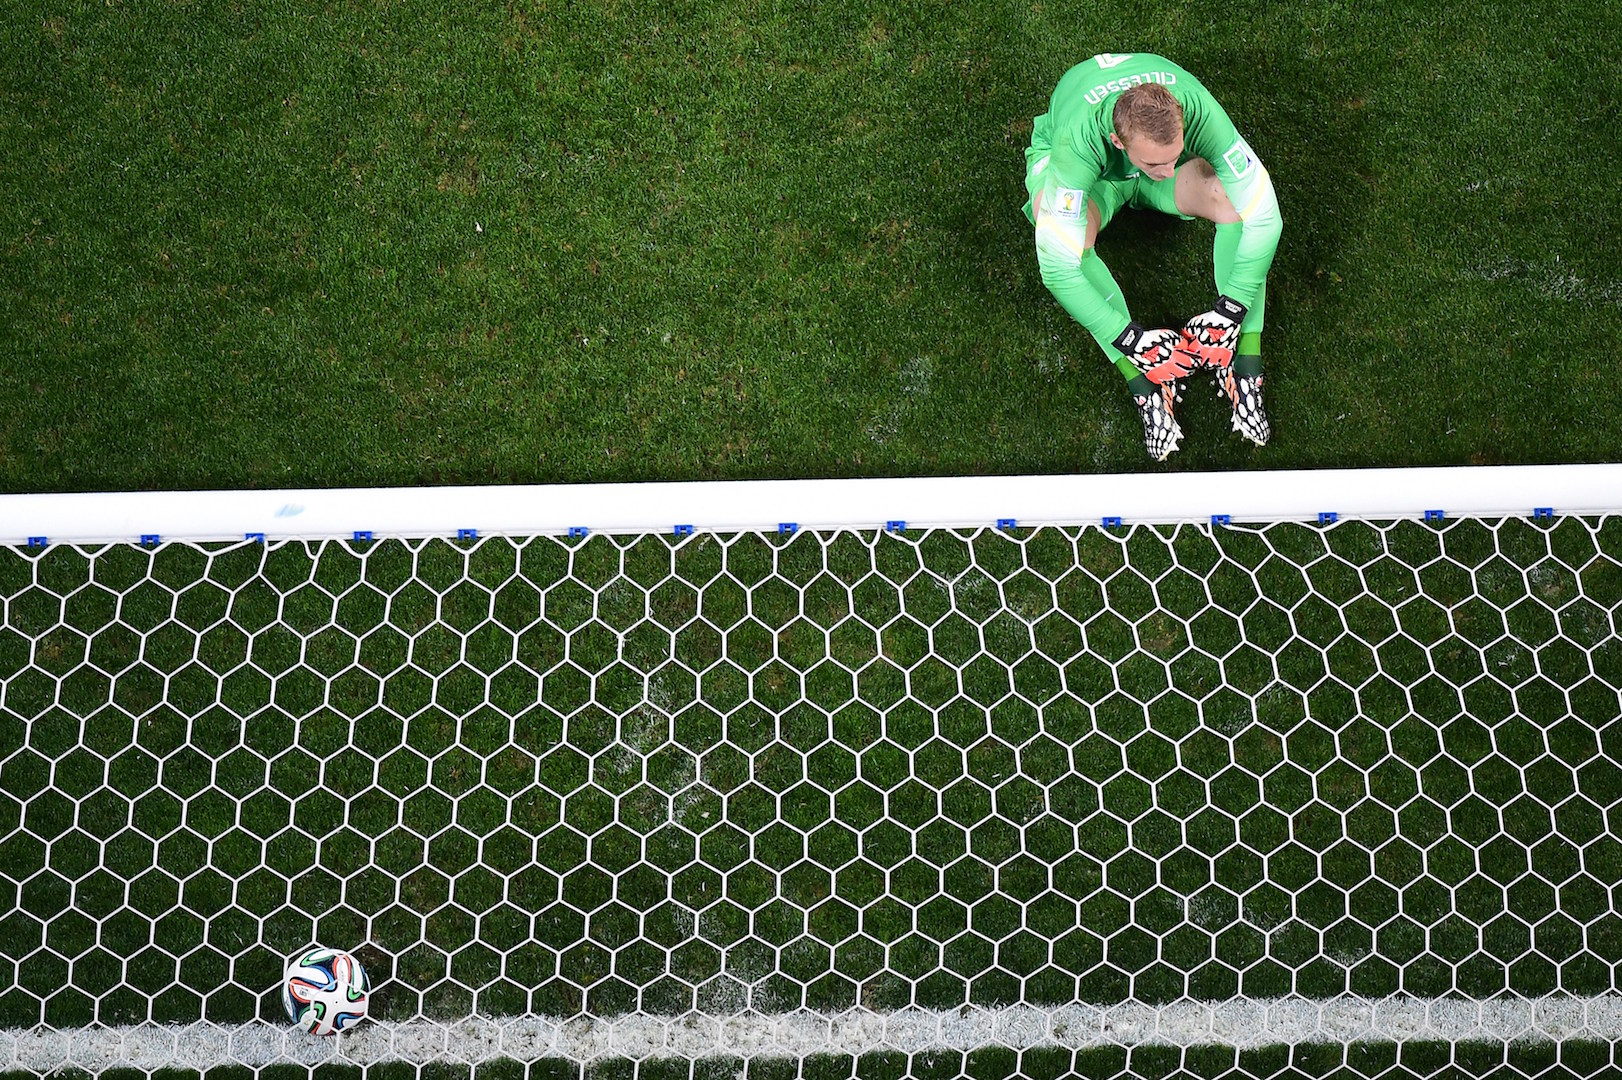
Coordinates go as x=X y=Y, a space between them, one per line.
x=1435 y=515
x=1221 y=519
x=895 y=526
x=37 y=541
x=683 y=530
x=1007 y=523
x=467 y=534
x=1543 y=513
x=578 y=532
x=787 y=528
x=1327 y=517
x=258 y=538
x=150 y=540
x=1112 y=523
x=363 y=534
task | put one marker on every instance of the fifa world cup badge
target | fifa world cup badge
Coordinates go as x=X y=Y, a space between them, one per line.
x=1068 y=203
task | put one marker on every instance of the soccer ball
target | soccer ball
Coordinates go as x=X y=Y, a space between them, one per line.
x=324 y=991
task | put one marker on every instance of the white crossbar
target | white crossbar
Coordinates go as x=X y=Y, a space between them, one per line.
x=774 y=505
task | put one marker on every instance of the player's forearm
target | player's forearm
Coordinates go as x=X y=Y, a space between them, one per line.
x=1060 y=252
x=1088 y=306
x=1258 y=242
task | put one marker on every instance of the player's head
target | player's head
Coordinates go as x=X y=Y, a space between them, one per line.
x=1149 y=127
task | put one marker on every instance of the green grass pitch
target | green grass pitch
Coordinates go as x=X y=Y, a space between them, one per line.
x=399 y=243
x=270 y=244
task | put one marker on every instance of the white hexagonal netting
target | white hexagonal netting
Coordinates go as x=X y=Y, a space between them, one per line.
x=987 y=803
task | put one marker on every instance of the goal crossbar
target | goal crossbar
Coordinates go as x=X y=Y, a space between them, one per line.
x=791 y=505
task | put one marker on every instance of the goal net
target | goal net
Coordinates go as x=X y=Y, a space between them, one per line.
x=1012 y=799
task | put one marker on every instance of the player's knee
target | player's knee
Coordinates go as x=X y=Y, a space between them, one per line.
x=1218 y=206
x=1201 y=194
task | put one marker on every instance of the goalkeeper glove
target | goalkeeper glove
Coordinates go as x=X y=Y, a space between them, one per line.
x=1208 y=339
x=1154 y=352
x=1161 y=433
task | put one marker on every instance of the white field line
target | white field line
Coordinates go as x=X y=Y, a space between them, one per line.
x=1239 y=1023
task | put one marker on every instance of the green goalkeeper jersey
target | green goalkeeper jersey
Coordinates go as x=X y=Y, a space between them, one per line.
x=1080 y=156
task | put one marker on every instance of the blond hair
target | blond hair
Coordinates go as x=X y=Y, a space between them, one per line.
x=1148 y=110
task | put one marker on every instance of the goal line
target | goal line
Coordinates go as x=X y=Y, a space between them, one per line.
x=1241 y=1024
x=791 y=505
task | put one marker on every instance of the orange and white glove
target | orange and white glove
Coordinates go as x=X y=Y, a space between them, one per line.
x=1154 y=352
x=1209 y=338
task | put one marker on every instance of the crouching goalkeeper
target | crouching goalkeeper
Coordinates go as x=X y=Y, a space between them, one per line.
x=1134 y=129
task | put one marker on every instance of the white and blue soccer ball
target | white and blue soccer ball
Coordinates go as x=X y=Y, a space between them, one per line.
x=324 y=991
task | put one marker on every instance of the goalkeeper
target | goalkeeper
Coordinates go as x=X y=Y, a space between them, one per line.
x=1134 y=129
